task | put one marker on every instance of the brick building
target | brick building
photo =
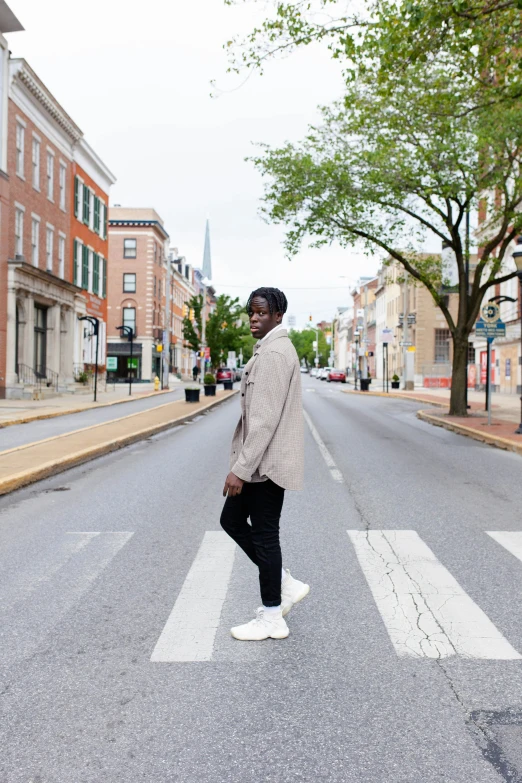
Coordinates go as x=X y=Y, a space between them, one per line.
x=8 y=24
x=137 y=287
x=89 y=200
x=44 y=339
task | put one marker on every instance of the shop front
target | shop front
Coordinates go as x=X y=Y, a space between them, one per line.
x=121 y=366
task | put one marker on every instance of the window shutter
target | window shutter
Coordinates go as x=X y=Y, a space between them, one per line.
x=104 y=287
x=96 y=274
x=86 y=196
x=97 y=214
x=75 y=262
x=85 y=267
x=104 y=221
x=76 y=197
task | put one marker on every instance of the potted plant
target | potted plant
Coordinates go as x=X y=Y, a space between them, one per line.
x=395 y=381
x=192 y=393
x=209 y=384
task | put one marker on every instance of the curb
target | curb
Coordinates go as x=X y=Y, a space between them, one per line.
x=92 y=406
x=391 y=396
x=470 y=432
x=48 y=469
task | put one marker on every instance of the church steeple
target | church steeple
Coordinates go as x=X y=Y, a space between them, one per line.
x=207 y=260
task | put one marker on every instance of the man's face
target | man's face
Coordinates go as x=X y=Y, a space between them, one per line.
x=262 y=320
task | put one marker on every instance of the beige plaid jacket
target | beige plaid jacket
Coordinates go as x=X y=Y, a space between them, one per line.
x=269 y=440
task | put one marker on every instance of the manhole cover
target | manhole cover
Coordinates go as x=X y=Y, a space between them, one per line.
x=499 y=734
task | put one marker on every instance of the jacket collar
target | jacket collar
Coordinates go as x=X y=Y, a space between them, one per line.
x=270 y=339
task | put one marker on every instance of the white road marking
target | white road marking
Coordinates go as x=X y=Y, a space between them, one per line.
x=334 y=470
x=190 y=630
x=510 y=540
x=425 y=611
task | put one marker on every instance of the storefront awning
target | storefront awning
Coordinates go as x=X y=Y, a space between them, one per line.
x=123 y=349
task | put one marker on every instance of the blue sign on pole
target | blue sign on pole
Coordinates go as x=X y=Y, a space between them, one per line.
x=490 y=330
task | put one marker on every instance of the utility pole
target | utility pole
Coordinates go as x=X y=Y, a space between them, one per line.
x=203 y=330
x=167 y=331
x=365 y=334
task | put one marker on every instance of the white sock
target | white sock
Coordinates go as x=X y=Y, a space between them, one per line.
x=272 y=609
x=283 y=574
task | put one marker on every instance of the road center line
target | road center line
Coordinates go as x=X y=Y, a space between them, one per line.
x=425 y=611
x=510 y=540
x=334 y=470
x=190 y=630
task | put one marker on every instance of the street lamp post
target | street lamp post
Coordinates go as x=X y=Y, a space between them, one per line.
x=356 y=335
x=96 y=332
x=517 y=258
x=129 y=332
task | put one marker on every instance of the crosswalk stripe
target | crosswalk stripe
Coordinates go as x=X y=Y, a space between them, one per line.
x=425 y=611
x=190 y=630
x=510 y=540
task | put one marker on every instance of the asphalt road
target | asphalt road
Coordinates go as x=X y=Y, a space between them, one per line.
x=94 y=561
x=20 y=434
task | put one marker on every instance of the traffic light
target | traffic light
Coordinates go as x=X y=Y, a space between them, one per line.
x=191 y=314
x=185 y=310
x=310 y=319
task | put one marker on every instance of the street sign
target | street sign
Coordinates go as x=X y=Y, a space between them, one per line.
x=490 y=312
x=112 y=363
x=207 y=352
x=490 y=329
x=291 y=320
x=132 y=364
x=387 y=336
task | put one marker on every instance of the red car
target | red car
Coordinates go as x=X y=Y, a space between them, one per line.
x=336 y=375
x=224 y=374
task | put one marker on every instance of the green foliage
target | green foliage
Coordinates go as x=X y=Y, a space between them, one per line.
x=303 y=344
x=395 y=377
x=226 y=328
x=209 y=379
x=192 y=329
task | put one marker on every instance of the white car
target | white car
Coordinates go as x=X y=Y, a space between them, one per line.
x=304 y=369
x=323 y=373
x=313 y=372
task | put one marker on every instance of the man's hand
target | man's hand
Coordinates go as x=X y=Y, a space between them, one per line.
x=233 y=485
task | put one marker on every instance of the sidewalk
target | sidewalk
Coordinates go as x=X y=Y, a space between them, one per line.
x=23 y=411
x=25 y=464
x=505 y=410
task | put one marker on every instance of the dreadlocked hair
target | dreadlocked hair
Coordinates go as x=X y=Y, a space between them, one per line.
x=277 y=302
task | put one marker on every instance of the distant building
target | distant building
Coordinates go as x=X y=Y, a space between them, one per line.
x=137 y=283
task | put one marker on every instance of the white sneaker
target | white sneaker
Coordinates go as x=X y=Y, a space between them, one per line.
x=263 y=626
x=292 y=591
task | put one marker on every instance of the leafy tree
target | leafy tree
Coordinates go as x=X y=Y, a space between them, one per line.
x=423 y=136
x=226 y=329
x=303 y=344
x=192 y=329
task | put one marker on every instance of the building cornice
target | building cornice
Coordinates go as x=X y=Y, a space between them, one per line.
x=140 y=224
x=42 y=274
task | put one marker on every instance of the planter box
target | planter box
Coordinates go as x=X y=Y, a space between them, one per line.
x=210 y=390
x=228 y=385
x=396 y=384
x=192 y=395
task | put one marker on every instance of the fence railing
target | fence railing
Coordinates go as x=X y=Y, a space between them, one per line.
x=37 y=376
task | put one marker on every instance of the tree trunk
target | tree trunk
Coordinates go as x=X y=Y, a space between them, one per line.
x=459 y=377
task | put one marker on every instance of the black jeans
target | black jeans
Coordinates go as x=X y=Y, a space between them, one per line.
x=262 y=502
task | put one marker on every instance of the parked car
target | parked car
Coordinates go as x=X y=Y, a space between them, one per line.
x=313 y=372
x=324 y=373
x=336 y=375
x=304 y=369
x=224 y=374
x=238 y=373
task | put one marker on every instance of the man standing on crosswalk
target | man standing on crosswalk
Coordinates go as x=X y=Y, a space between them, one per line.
x=267 y=457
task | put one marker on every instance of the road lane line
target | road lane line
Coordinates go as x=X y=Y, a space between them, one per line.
x=510 y=540
x=425 y=611
x=190 y=630
x=334 y=470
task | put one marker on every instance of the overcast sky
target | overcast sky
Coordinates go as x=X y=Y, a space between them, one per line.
x=136 y=78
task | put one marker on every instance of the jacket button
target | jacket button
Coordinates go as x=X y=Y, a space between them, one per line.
x=246 y=373
x=242 y=394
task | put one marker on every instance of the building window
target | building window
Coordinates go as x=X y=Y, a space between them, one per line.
x=442 y=346
x=86 y=205
x=129 y=318
x=97 y=214
x=61 y=256
x=96 y=274
x=129 y=248
x=36 y=164
x=50 y=176
x=62 y=186
x=471 y=353
x=35 y=241
x=155 y=285
x=77 y=271
x=19 y=232
x=129 y=283
x=155 y=252
x=49 y=248
x=20 y=146
x=77 y=197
